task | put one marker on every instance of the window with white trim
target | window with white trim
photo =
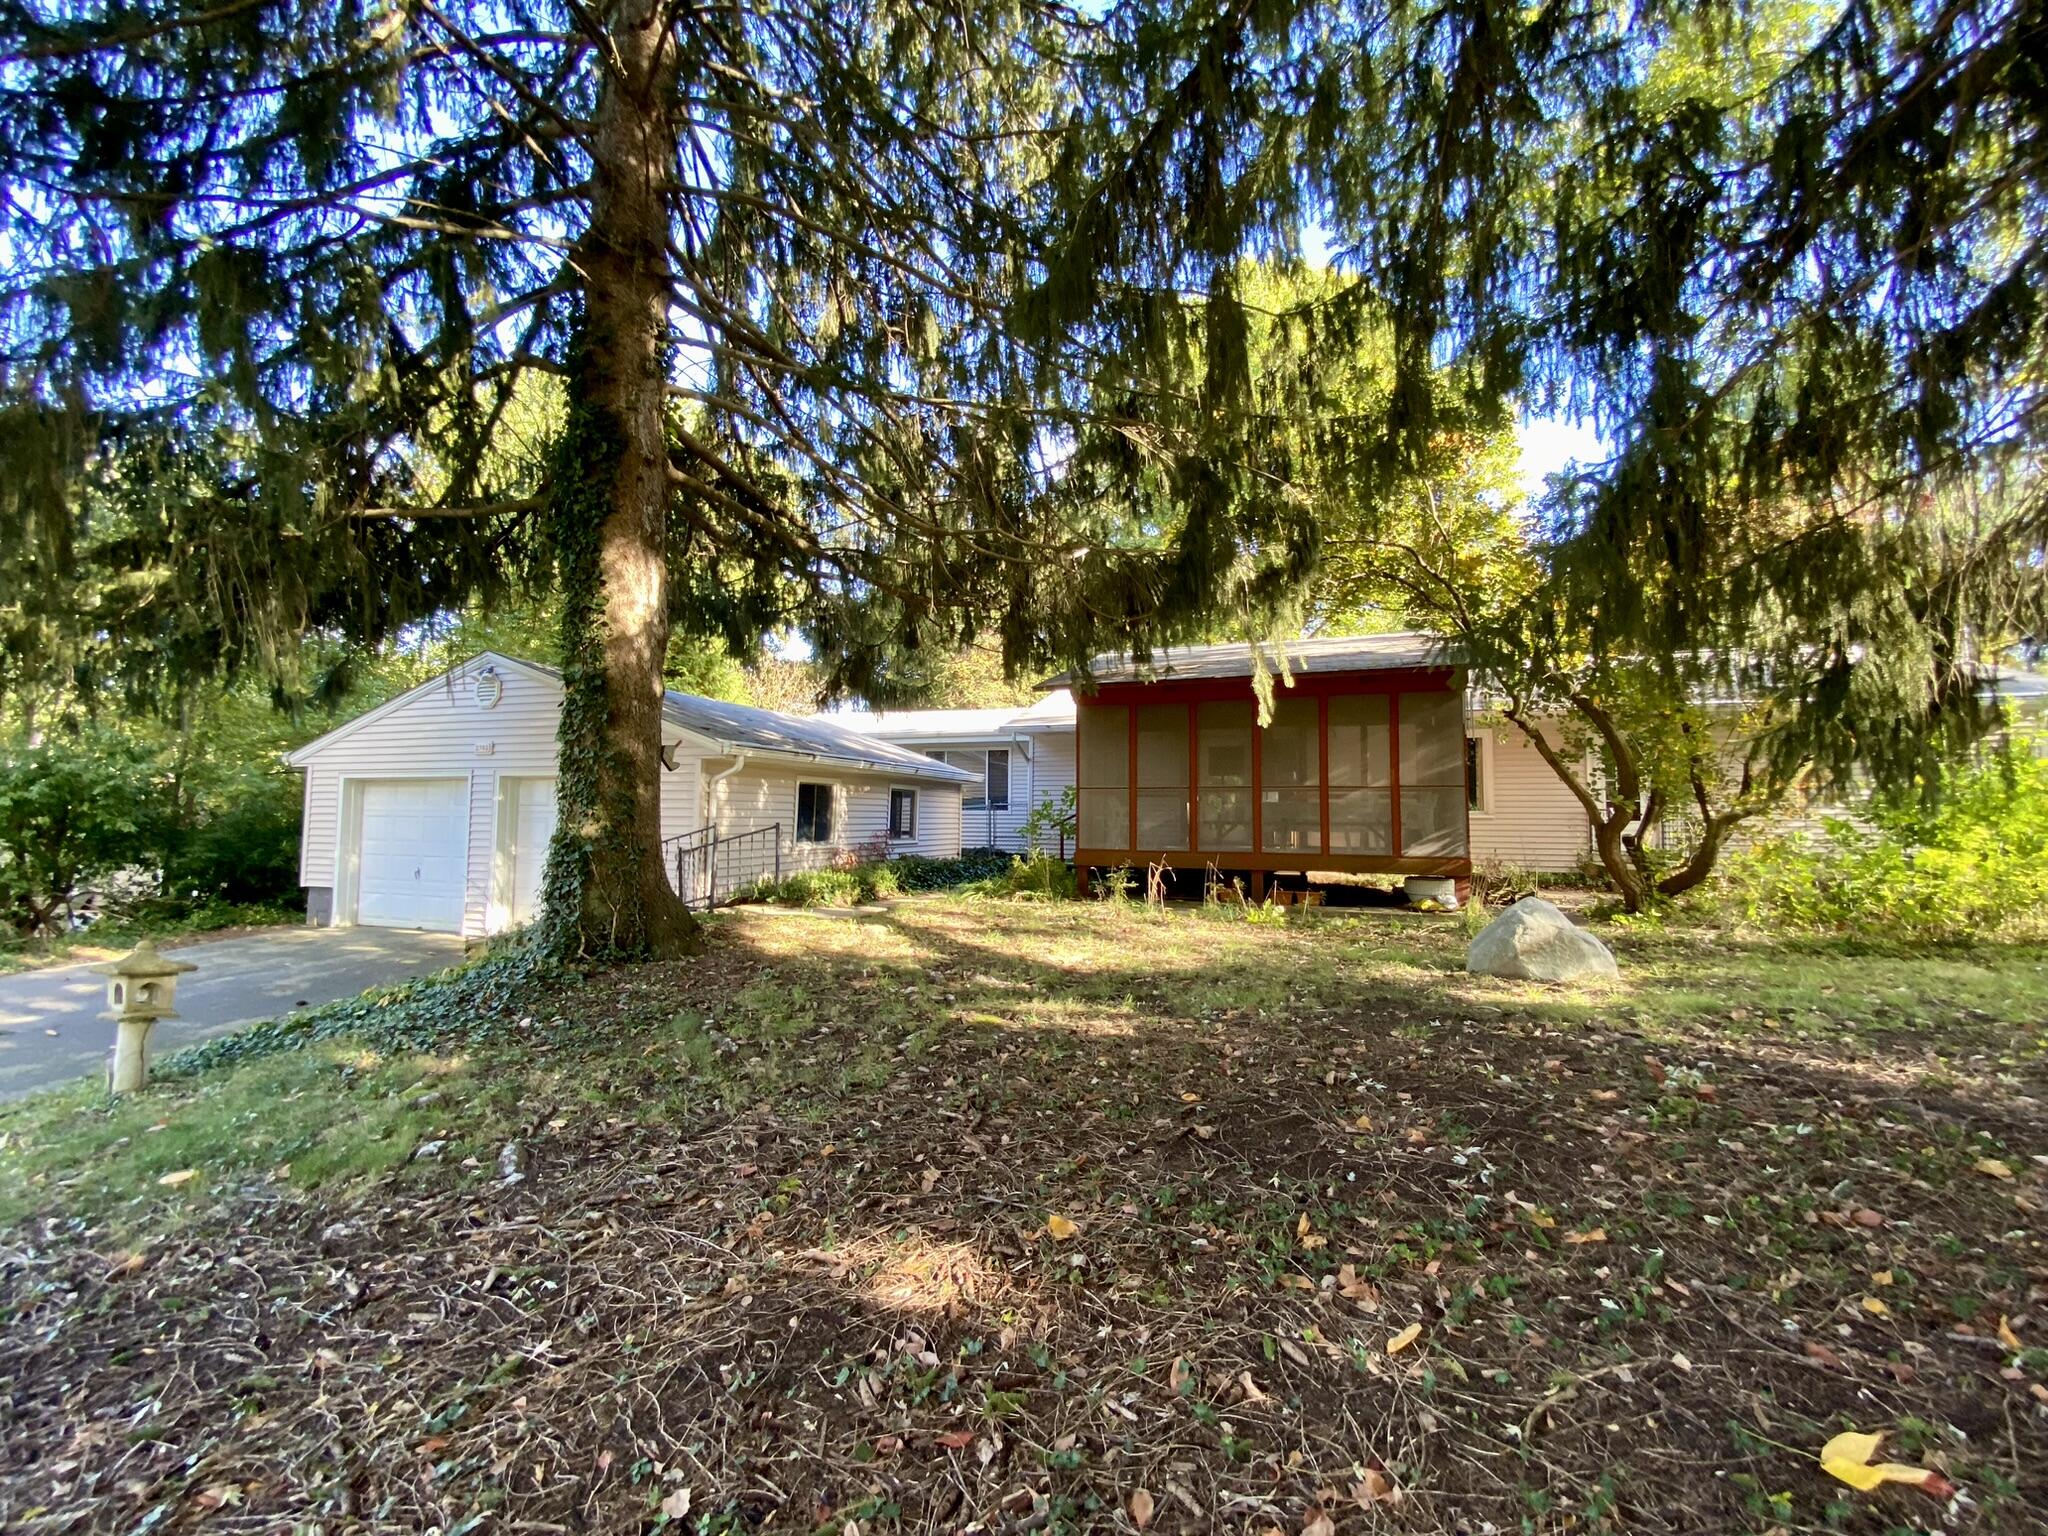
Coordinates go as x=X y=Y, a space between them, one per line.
x=814 y=813
x=991 y=770
x=902 y=813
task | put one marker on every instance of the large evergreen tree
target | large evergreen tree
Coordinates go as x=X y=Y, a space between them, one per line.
x=283 y=267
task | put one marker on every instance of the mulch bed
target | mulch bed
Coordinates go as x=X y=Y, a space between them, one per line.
x=1643 y=1289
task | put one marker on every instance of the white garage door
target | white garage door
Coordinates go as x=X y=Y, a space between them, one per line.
x=413 y=854
x=533 y=825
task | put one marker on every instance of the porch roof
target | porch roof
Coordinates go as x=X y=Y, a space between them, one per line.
x=1319 y=654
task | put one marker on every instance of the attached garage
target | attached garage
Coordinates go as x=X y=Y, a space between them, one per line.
x=411 y=854
x=436 y=809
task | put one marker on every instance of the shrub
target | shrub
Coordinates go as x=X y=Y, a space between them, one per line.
x=1037 y=876
x=1973 y=863
x=851 y=884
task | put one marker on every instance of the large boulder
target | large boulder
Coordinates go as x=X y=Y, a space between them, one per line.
x=1533 y=941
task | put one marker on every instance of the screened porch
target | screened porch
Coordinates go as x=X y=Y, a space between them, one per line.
x=1355 y=773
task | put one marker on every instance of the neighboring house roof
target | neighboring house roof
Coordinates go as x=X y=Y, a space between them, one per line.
x=1054 y=712
x=727 y=729
x=1322 y=654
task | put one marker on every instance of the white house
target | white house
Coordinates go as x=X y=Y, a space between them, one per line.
x=1019 y=759
x=434 y=810
x=1519 y=812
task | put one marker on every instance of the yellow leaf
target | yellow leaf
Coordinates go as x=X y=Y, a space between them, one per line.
x=183 y=1175
x=1875 y=1307
x=1992 y=1168
x=1847 y=1458
x=1061 y=1228
x=1404 y=1338
x=2007 y=1337
x=1362 y=1123
x=1141 y=1508
x=1542 y=1221
x=1596 y=1235
x=1881 y=1277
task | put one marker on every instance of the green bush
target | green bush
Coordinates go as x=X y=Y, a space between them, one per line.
x=1037 y=876
x=859 y=884
x=1973 y=863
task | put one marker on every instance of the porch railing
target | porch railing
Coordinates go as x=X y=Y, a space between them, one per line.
x=709 y=869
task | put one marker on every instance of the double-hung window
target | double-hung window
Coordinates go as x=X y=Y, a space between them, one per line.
x=902 y=813
x=991 y=769
x=814 y=813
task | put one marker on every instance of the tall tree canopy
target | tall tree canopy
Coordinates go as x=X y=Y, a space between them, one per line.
x=878 y=318
x=298 y=261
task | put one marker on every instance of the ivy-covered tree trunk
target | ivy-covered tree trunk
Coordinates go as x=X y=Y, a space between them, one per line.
x=606 y=891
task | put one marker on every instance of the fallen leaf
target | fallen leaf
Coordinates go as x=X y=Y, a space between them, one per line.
x=1865 y=1217
x=1847 y=1458
x=182 y=1176
x=127 y=1264
x=217 y=1495
x=1681 y=1362
x=1060 y=1228
x=2007 y=1337
x=1141 y=1507
x=1542 y=1220
x=1179 y=1374
x=1992 y=1168
x=677 y=1504
x=1875 y=1307
x=1404 y=1338
x=1591 y=1235
x=1374 y=1488
x=954 y=1439
x=1821 y=1353
x=1318 y=1523
x=1881 y=1277
x=1362 y=1123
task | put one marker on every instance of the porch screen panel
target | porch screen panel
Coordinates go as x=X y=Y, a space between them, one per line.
x=1223 y=776
x=1103 y=775
x=1433 y=775
x=1290 y=778
x=1361 y=775
x=1162 y=777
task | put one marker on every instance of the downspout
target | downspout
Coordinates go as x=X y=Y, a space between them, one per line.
x=739 y=761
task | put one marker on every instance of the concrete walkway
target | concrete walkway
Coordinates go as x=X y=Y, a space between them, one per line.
x=50 y=1024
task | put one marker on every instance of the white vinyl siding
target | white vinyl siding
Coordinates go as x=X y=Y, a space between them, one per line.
x=1052 y=775
x=1531 y=819
x=762 y=795
x=439 y=732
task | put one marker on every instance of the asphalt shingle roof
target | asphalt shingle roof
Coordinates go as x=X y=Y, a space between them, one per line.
x=1326 y=653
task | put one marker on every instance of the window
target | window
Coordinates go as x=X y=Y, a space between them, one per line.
x=991 y=770
x=1103 y=776
x=814 y=813
x=1163 y=777
x=1290 y=775
x=1475 y=775
x=903 y=813
x=1433 y=749
x=1361 y=775
x=1223 y=782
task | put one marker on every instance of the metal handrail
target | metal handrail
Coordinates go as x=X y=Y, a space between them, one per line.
x=710 y=870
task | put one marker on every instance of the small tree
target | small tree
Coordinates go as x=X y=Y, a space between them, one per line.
x=71 y=809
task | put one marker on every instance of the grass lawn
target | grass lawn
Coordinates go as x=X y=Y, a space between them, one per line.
x=1048 y=1217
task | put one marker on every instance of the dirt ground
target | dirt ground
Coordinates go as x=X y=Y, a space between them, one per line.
x=971 y=1216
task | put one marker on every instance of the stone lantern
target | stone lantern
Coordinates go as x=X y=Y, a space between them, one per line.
x=141 y=986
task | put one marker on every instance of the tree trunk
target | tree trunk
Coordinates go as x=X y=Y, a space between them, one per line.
x=616 y=625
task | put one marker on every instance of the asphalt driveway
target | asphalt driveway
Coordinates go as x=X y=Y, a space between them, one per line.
x=50 y=1024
